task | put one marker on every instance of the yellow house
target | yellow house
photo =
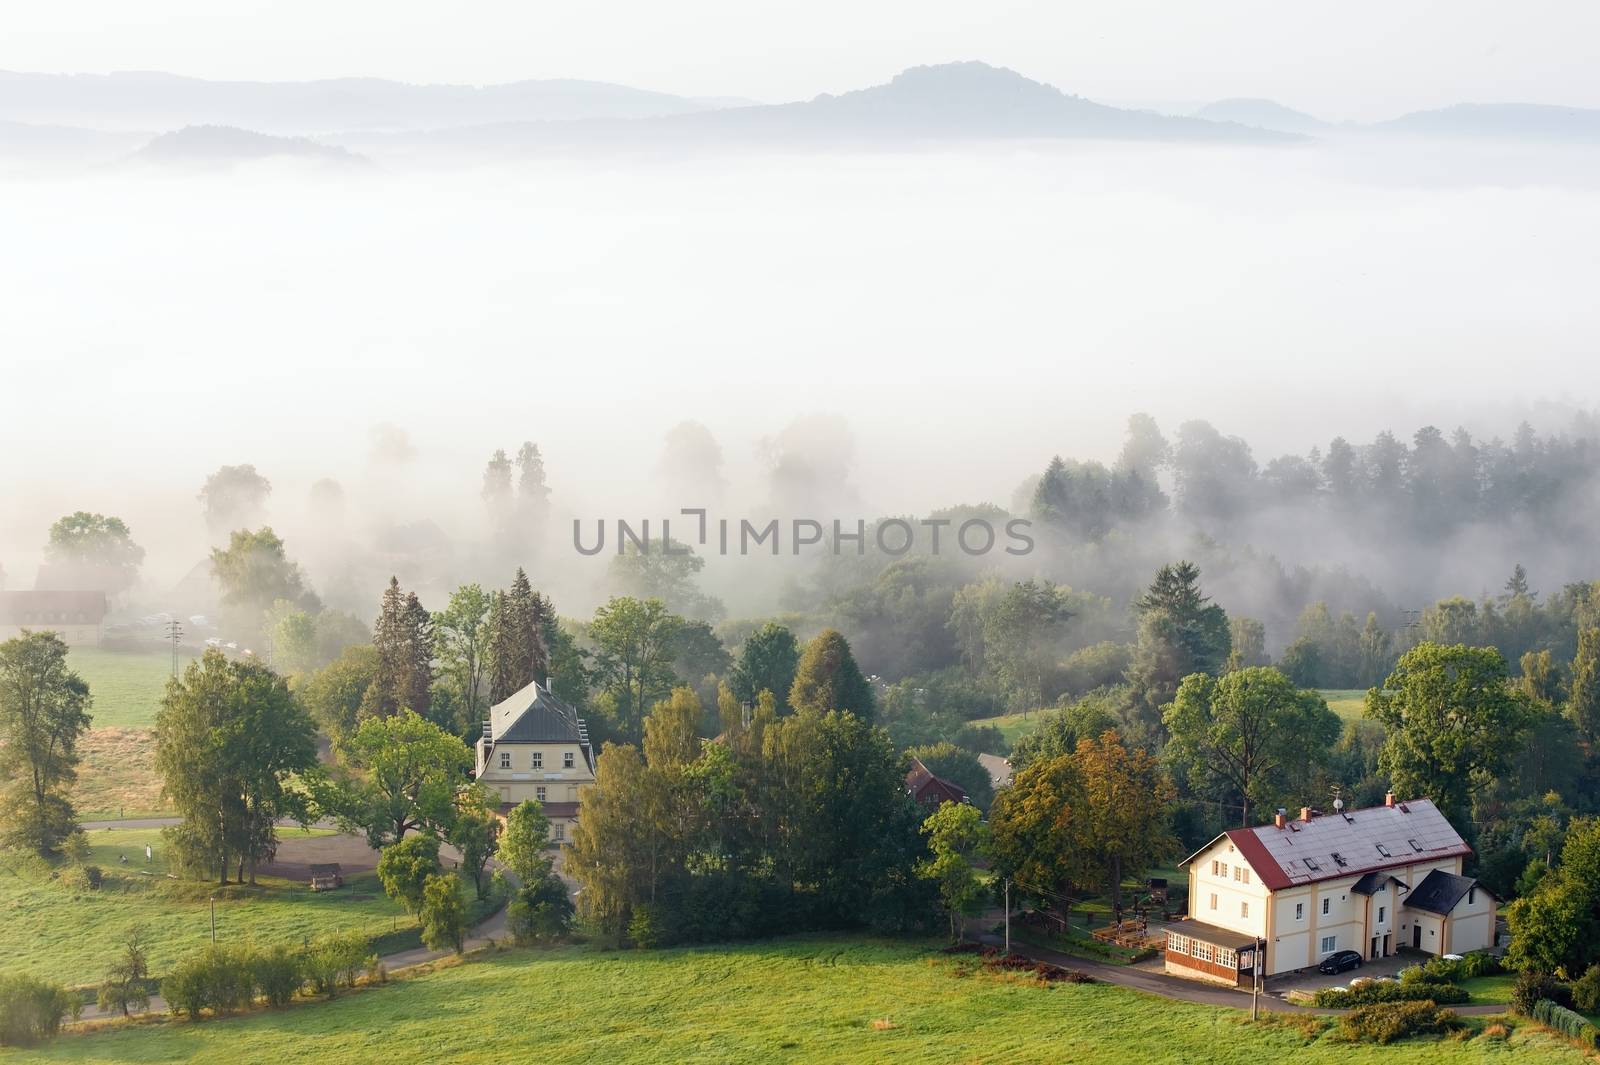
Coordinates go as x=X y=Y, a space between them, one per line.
x=535 y=746
x=1371 y=880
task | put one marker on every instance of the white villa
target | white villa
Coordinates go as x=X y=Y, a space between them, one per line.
x=1371 y=880
x=535 y=746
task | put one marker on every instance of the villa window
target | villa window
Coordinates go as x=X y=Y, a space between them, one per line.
x=1203 y=951
x=1382 y=911
x=505 y=759
x=566 y=760
x=1224 y=872
x=1299 y=911
x=538 y=759
x=1213 y=900
x=1326 y=905
x=1328 y=943
x=1244 y=909
x=1226 y=958
x=1246 y=872
x=538 y=793
x=560 y=830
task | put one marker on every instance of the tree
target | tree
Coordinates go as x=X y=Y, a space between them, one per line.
x=532 y=490
x=474 y=833
x=827 y=678
x=407 y=866
x=126 y=984
x=1121 y=827
x=1180 y=632
x=666 y=572
x=230 y=738
x=255 y=572
x=1556 y=928
x=1248 y=638
x=1583 y=705
x=93 y=551
x=518 y=654
x=1238 y=736
x=959 y=766
x=404 y=639
x=1060 y=730
x=767 y=662
x=541 y=910
x=1032 y=834
x=956 y=836
x=1022 y=639
x=634 y=644
x=335 y=693
x=524 y=845
x=462 y=633
x=233 y=497
x=44 y=711
x=1450 y=719
x=609 y=852
x=411 y=771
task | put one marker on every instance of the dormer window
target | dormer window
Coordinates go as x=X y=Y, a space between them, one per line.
x=1415 y=845
x=1338 y=859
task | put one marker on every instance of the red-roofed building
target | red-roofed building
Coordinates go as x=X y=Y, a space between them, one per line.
x=931 y=792
x=1307 y=887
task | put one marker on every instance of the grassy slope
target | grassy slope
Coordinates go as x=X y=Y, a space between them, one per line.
x=1348 y=703
x=56 y=930
x=117 y=775
x=1013 y=726
x=799 y=1000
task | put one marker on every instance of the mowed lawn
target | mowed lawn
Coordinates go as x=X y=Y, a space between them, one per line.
x=1014 y=726
x=58 y=930
x=1349 y=703
x=117 y=776
x=797 y=1000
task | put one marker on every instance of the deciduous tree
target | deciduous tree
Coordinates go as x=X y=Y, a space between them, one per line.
x=44 y=711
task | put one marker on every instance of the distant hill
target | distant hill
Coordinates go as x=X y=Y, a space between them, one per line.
x=23 y=141
x=143 y=100
x=222 y=145
x=956 y=101
x=1504 y=121
x=1263 y=114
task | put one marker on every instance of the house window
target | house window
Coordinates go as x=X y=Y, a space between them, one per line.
x=1472 y=895
x=1244 y=909
x=1202 y=951
x=1238 y=872
x=1328 y=944
x=1382 y=910
x=560 y=830
x=1213 y=900
x=1177 y=944
x=1215 y=865
x=1246 y=871
x=505 y=759
x=566 y=760
x=1325 y=905
x=538 y=793
x=538 y=759
x=1226 y=959
x=1224 y=872
x=1299 y=911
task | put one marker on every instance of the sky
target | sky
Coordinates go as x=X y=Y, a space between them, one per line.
x=1355 y=59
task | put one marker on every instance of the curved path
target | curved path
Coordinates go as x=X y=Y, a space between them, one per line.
x=1154 y=982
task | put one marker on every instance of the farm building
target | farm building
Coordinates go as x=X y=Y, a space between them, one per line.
x=930 y=791
x=1371 y=880
x=78 y=617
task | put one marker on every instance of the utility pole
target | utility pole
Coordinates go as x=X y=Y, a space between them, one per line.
x=175 y=634
x=1255 y=980
x=213 y=920
x=1008 y=915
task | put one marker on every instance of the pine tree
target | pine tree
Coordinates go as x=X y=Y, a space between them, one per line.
x=403 y=637
x=531 y=487
x=502 y=649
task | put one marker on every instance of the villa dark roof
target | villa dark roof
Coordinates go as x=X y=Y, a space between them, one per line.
x=1369 y=884
x=533 y=715
x=43 y=608
x=1440 y=891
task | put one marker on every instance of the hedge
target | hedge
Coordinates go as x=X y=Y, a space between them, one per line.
x=1575 y=1026
x=1387 y=1021
x=1370 y=994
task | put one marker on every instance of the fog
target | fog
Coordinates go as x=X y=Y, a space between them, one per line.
x=940 y=321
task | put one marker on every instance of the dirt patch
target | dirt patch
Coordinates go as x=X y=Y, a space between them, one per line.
x=297 y=854
x=117 y=772
x=995 y=960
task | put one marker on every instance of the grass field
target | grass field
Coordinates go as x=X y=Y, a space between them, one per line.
x=1490 y=990
x=63 y=932
x=1013 y=726
x=117 y=775
x=798 y=1000
x=1349 y=703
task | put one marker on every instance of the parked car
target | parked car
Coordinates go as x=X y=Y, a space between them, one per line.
x=1339 y=961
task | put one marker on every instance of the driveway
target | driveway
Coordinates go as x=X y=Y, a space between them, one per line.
x=1371 y=968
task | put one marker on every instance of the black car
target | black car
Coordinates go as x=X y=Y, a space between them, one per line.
x=1339 y=961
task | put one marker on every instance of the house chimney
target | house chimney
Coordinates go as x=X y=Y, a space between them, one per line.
x=1388 y=798
x=1305 y=813
x=547 y=684
x=1278 y=820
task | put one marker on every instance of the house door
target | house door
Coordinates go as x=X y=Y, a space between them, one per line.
x=1387 y=949
x=1416 y=935
x=1375 y=947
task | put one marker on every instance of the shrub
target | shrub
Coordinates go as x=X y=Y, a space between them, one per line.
x=1452 y=970
x=1531 y=987
x=88 y=877
x=127 y=983
x=405 y=868
x=277 y=973
x=646 y=928
x=1586 y=991
x=1387 y=1021
x=31 y=1009
x=443 y=913
x=335 y=958
x=1373 y=993
x=218 y=978
x=1575 y=1026
x=540 y=911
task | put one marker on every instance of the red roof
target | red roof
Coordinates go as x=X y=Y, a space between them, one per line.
x=922 y=785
